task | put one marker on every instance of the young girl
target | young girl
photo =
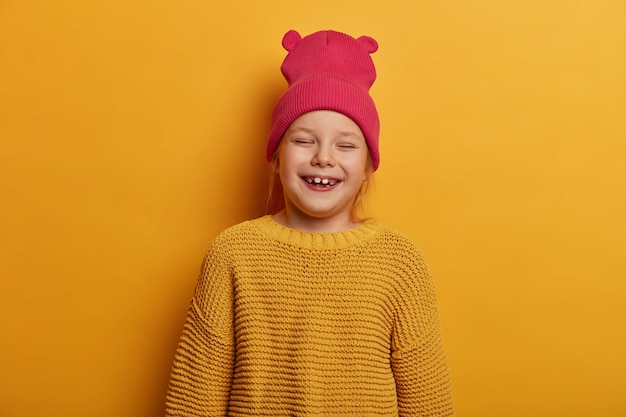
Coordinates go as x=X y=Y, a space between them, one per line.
x=315 y=311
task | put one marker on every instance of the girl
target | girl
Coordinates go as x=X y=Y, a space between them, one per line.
x=314 y=310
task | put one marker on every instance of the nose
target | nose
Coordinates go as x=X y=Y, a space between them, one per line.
x=323 y=157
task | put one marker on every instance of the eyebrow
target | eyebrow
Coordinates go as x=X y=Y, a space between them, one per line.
x=299 y=128
x=311 y=131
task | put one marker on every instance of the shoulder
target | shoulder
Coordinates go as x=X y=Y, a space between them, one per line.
x=393 y=233
x=401 y=263
x=396 y=241
x=236 y=233
x=397 y=255
x=232 y=245
x=232 y=241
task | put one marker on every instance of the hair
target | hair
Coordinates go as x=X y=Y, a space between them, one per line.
x=276 y=199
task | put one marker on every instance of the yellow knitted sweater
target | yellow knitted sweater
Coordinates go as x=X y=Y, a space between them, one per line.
x=289 y=323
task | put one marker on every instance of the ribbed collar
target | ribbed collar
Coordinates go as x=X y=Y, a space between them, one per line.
x=310 y=240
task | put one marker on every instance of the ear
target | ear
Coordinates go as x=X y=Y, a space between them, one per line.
x=290 y=40
x=370 y=44
x=369 y=169
x=274 y=165
x=367 y=173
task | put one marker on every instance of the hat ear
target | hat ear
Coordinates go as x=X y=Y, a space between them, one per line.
x=370 y=44
x=290 y=40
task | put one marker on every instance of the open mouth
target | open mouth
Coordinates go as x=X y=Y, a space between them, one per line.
x=321 y=182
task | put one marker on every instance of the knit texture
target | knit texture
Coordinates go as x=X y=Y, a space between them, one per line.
x=289 y=323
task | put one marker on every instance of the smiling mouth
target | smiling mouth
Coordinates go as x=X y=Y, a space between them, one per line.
x=321 y=182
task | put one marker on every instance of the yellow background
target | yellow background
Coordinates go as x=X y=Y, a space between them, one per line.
x=132 y=132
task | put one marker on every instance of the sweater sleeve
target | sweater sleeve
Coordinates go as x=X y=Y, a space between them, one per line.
x=202 y=371
x=418 y=357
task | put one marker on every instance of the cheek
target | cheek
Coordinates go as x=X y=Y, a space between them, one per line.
x=365 y=167
x=285 y=169
x=291 y=160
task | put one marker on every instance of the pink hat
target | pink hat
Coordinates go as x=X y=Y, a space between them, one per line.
x=327 y=70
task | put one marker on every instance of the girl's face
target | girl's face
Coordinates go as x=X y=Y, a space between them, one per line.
x=322 y=163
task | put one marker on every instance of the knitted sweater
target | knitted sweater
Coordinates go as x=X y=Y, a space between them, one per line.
x=290 y=323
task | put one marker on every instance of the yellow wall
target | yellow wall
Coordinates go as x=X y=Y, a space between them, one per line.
x=133 y=131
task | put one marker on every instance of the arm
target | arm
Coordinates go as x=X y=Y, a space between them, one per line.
x=418 y=357
x=422 y=379
x=202 y=372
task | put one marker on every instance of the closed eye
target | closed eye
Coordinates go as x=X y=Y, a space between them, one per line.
x=347 y=146
x=302 y=141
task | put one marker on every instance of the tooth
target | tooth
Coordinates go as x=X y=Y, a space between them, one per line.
x=317 y=180
x=309 y=180
x=325 y=181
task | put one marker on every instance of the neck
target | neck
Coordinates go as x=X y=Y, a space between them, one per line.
x=315 y=225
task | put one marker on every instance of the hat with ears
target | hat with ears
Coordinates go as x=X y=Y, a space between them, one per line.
x=327 y=70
